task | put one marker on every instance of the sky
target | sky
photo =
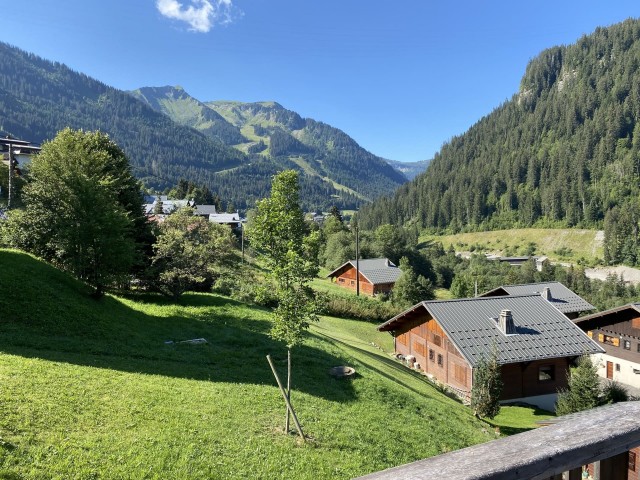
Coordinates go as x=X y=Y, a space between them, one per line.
x=401 y=77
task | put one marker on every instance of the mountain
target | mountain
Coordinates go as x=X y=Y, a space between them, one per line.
x=38 y=98
x=186 y=110
x=409 y=169
x=270 y=131
x=563 y=151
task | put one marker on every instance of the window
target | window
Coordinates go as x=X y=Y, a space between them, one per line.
x=546 y=373
x=437 y=339
x=440 y=359
x=617 y=367
x=638 y=347
x=632 y=461
x=431 y=355
x=626 y=344
x=341 y=280
x=609 y=340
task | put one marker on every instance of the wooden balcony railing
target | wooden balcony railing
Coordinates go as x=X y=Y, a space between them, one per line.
x=601 y=437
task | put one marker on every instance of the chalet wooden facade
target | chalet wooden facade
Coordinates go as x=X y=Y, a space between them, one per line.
x=617 y=331
x=535 y=343
x=376 y=275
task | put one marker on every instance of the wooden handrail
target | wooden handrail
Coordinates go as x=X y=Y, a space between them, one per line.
x=571 y=442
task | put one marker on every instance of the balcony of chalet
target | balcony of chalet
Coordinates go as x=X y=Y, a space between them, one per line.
x=598 y=444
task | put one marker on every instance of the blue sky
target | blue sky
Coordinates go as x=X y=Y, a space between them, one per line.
x=401 y=77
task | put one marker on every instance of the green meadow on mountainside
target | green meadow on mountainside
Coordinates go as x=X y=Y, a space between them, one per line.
x=89 y=388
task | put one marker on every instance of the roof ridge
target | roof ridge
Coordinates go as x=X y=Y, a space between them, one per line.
x=519 y=295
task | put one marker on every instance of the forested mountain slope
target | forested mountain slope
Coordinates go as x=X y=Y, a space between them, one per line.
x=285 y=138
x=38 y=98
x=565 y=150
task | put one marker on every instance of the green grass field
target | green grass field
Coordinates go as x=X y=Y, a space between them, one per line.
x=90 y=389
x=557 y=244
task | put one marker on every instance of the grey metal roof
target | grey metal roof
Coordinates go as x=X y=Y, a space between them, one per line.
x=562 y=298
x=471 y=324
x=205 y=209
x=376 y=270
x=225 y=218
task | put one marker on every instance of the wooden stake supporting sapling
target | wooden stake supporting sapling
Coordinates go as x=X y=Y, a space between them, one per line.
x=286 y=398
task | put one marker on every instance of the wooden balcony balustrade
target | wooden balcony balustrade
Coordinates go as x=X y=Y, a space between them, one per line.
x=601 y=438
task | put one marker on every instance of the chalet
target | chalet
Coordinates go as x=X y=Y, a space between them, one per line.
x=153 y=202
x=519 y=261
x=535 y=343
x=231 y=219
x=617 y=331
x=568 y=302
x=377 y=275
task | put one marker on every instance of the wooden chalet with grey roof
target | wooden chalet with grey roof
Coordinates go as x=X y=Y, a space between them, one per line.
x=617 y=331
x=377 y=275
x=534 y=341
x=568 y=302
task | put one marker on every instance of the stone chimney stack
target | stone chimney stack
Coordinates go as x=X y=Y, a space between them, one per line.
x=546 y=294
x=505 y=323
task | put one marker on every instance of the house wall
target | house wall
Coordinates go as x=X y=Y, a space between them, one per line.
x=623 y=371
x=435 y=353
x=347 y=279
x=529 y=379
x=619 y=334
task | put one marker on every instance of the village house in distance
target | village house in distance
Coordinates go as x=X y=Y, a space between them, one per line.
x=377 y=275
x=534 y=341
x=157 y=207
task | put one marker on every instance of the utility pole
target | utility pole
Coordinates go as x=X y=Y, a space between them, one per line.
x=357 y=262
x=10 y=192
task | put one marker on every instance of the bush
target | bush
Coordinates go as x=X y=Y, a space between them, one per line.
x=359 y=308
x=613 y=392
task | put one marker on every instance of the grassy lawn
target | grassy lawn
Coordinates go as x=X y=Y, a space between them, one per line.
x=90 y=389
x=557 y=244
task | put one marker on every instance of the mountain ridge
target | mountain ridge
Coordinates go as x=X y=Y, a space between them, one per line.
x=282 y=135
x=39 y=97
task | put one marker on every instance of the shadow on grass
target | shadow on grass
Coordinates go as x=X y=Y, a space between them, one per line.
x=45 y=314
x=392 y=364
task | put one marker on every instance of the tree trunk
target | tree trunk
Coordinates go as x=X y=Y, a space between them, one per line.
x=287 y=419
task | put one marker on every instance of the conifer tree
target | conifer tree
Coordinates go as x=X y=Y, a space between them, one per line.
x=487 y=387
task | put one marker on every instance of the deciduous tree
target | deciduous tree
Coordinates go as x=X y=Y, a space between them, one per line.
x=83 y=208
x=189 y=251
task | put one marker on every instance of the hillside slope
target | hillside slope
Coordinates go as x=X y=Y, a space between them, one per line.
x=92 y=389
x=564 y=150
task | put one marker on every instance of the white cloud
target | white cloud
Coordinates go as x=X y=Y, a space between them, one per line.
x=200 y=15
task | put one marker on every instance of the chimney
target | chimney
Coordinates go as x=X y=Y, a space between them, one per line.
x=505 y=323
x=546 y=294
